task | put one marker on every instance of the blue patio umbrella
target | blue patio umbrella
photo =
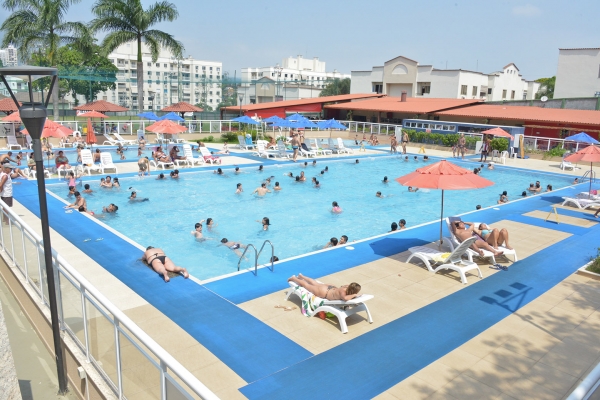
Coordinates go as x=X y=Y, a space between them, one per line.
x=172 y=117
x=296 y=117
x=245 y=120
x=331 y=124
x=582 y=137
x=274 y=118
x=148 y=115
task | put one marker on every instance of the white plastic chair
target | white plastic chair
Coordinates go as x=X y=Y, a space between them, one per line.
x=109 y=140
x=106 y=162
x=87 y=162
x=189 y=155
x=11 y=142
x=503 y=156
x=209 y=157
x=513 y=153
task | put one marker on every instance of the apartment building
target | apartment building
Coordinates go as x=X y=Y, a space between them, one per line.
x=9 y=56
x=296 y=78
x=578 y=73
x=168 y=80
x=402 y=74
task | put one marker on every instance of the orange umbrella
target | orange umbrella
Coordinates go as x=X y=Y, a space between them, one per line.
x=91 y=136
x=92 y=114
x=497 y=132
x=53 y=129
x=166 y=126
x=446 y=176
x=590 y=154
x=14 y=117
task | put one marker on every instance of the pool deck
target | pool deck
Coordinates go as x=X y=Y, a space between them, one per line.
x=530 y=331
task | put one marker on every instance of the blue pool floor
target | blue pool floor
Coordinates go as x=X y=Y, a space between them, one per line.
x=273 y=365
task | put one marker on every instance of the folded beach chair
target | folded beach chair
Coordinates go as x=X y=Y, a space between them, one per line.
x=581 y=203
x=436 y=260
x=209 y=157
x=306 y=152
x=311 y=305
x=261 y=150
x=109 y=140
x=189 y=155
x=87 y=162
x=333 y=147
x=453 y=242
x=124 y=142
x=281 y=151
x=340 y=145
x=11 y=142
x=106 y=162
x=314 y=146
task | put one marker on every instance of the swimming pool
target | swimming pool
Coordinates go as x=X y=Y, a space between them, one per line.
x=300 y=216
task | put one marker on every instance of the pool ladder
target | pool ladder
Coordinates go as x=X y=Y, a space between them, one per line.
x=591 y=174
x=256 y=255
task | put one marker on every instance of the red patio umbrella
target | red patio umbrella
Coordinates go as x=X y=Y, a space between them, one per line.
x=53 y=129
x=497 y=132
x=91 y=136
x=590 y=154
x=446 y=176
x=166 y=126
x=14 y=117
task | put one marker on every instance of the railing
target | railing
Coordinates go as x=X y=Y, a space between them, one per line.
x=255 y=258
x=118 y=349
x=272 y=267
x=257 y=254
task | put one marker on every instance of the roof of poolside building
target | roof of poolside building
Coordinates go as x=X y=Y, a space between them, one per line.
x=411 y=105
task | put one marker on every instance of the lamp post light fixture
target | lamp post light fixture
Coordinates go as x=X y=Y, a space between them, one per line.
x=33 y=115
x=241 y=97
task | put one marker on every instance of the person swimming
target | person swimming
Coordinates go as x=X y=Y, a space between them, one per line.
x=336 y=208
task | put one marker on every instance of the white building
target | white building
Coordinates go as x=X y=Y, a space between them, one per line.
x=296 y=78
x=402 y=74
x=9 y=56
x=166 y=81
x=578 y=73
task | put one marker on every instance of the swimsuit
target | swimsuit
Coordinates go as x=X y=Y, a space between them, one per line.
x=328 y=289
x=234 y=246
x=485 y=232
x=295 y=147
x=159 y=258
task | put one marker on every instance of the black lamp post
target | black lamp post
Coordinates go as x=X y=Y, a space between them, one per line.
x=241 y=99
x=33 y=114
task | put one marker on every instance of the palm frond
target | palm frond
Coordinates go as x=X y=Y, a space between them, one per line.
x=165 y=40
x=115 y=39
x=161 y=11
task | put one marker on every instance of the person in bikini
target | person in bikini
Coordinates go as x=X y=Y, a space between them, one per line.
x=234 y=246
x=493 y=236
x=326 y=291
x=157 y=259
x=463 y=233
x=462 y=142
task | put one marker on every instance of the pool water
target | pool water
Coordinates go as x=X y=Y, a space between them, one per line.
x=300 y=214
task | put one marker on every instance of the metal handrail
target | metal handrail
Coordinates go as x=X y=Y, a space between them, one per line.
x=88 y=291
x=592 y=175
x=255 y=258
x=272 y=268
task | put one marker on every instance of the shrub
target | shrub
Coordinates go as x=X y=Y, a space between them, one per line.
x=500 y=144
x=229 y=137
x=595 y=265
x=209 y=139
x=555 y=152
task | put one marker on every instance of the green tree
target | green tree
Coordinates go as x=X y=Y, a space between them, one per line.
x=546 y=87
x=336 y=87
x=39 y=26
x=204 y=106
x=127 y=21
x=85 y=74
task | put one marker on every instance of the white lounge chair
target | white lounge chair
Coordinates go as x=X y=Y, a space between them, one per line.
x=11 y=142
x=180 y=162
x=340 y=308
x=87 y=162
x=189 y=155
x=32 y=173
x=106 y=162
x=581 y=203
x=176 y=139
x=209 y=157
x=124 y=142
x=243 y=143
x=109 y=140
x=161 y=164
x=64 y=170
x=306 y=152
x=160 y=139
x=314 y=146
x=261 y=150
x=451 y=261
x=29 y=143
x=453 y=242
x=282 y=151
x=340 y=145
x=566 y=165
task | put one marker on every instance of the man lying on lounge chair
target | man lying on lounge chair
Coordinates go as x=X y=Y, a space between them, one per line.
x=462 y=233
x=325 y=291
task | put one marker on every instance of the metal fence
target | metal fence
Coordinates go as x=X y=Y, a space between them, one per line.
x=129 y=360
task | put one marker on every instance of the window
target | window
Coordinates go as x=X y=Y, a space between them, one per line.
x=438 y=127
x=157 y=73
x=210 y=101
x=149 y=64
x=512 y=95
x=157 y=65
x=211 y=68
x=218 y=76
x=165 y=66
x=210 y=92
x=463 y=90
x=489 y=90
x=218 y=93
x=203 y=68
x=524 y=94
x=149 y=73
x=474 y=90
x=210 y=76
x=218 y=69
x=504 y=94
x=286 y=75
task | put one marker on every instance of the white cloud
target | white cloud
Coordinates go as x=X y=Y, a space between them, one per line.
x=527 y=10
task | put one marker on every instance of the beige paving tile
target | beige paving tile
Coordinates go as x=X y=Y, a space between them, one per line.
x=459 y=359
x=531 y=342
x=437 y=374
x=570 y=357
x=551 y=378
x=465 y=387
x=230 y=394
x=411 y=388
x=510 y=360
x=564 y=219
x=218 y=377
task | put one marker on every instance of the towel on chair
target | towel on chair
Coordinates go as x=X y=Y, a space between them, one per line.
x=310 y=302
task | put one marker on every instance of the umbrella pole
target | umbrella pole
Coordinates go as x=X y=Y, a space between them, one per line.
x=591 y=172
x=441 y=219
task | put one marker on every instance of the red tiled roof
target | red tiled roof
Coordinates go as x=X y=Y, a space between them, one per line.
x=101 y=106
x=7 y=105
x=291 y=103
x=523 y=113
x=182 y=107
x=412 y=105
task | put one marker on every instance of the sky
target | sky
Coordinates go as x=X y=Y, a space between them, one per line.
x=352 y=35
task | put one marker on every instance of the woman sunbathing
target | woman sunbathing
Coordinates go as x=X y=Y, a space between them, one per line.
x=326 y=291
x=493 y=236
x=462 y=233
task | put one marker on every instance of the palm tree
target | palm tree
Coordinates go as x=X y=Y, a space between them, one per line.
x=127 y=21
x=39 y=26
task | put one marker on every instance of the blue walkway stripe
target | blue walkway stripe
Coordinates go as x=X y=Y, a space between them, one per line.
x=248 y=346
